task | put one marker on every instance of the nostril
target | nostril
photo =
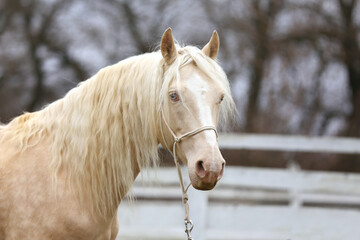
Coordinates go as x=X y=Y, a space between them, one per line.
x=222 y=170
x=200 y=170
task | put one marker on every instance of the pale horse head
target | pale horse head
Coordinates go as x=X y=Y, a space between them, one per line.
x=194 y=99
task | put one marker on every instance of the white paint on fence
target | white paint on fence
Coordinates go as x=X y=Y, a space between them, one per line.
x=248 y=203
x=251 y=203
x=290 y=143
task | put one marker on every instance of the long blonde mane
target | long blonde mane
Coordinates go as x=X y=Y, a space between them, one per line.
x=109 y=122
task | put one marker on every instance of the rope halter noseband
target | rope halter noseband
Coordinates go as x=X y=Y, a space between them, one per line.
x=177 y=139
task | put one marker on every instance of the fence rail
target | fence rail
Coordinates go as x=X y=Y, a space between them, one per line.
x=290 y=143
x=252 y=203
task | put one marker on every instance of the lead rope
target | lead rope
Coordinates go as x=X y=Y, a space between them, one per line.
x=188 y=223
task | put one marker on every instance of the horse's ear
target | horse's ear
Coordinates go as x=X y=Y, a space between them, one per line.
x=211 y=49
x=167 y=46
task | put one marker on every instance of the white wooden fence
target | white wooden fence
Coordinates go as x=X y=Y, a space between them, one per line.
x=252 y=203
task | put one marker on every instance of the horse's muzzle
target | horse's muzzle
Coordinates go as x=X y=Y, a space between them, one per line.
x=207 y=177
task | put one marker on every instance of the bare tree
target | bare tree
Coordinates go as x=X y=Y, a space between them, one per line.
x=340 y=30
x=34 y=21
x=256 y=25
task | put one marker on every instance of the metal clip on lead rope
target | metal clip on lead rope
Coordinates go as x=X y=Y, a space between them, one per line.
x=188 y=228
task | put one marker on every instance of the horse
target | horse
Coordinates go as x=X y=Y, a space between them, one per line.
x=65 y=169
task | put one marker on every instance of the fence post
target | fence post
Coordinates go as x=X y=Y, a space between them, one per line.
x=199 y=201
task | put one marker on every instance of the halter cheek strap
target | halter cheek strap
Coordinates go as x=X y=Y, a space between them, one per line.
x=188 y=223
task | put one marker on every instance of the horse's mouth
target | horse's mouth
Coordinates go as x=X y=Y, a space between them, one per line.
x=204 y=186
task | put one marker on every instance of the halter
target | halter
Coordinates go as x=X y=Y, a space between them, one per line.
x=188 y=223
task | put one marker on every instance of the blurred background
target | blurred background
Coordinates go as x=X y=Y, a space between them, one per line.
x=294 y=66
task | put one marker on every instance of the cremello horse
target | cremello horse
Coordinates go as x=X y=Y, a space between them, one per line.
x=65 y=169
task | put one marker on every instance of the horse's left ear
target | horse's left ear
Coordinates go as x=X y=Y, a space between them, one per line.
x=211 y=49
x=167 y=46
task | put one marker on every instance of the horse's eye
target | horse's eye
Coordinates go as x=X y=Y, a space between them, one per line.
x=222 y=98
x=174 y=97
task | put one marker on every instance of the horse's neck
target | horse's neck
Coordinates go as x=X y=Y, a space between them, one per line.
x=103 y=135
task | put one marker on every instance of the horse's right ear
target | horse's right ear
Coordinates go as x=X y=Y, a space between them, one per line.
x=167 y=46
x=211 y=49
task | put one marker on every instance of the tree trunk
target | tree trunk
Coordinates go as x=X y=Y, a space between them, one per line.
x=254 y=92
x=354 y=118
x=351 y=50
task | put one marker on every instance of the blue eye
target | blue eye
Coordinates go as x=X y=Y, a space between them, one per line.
x=174 y=97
